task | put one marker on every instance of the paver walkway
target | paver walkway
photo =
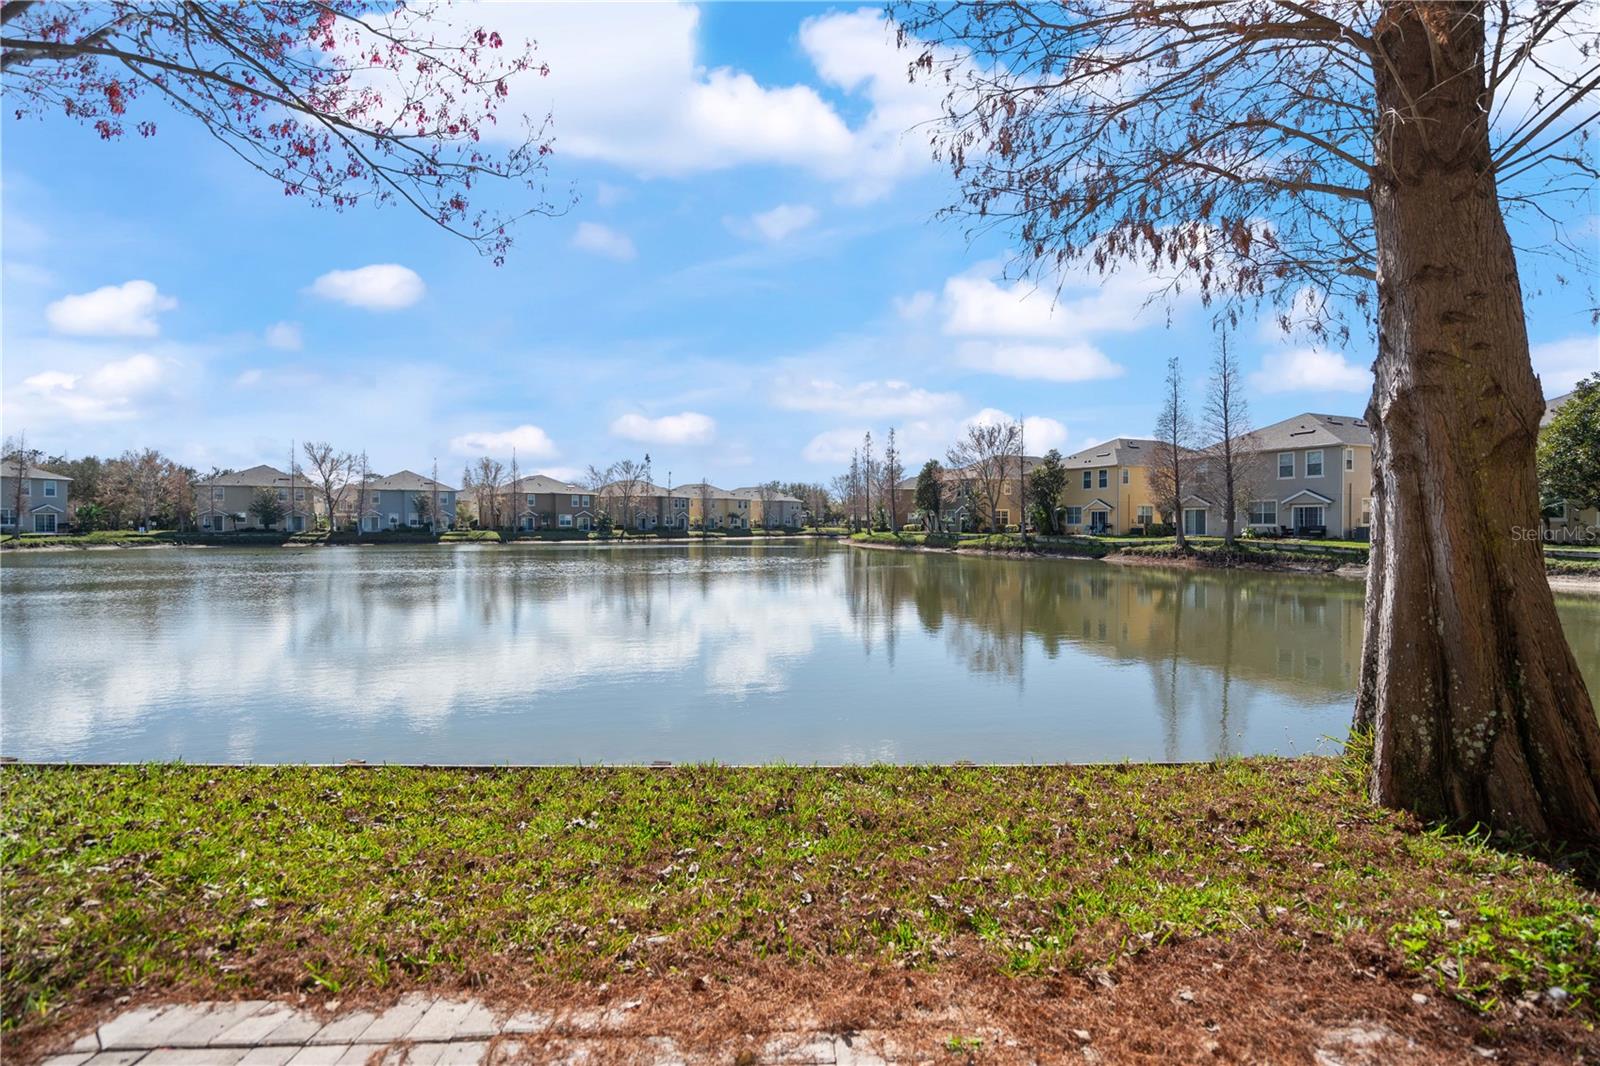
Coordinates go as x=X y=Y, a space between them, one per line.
x=419 y=1030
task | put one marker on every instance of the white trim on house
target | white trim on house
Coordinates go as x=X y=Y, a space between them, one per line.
x=1322 y=462
x=1316 y=497
x=1293 y=465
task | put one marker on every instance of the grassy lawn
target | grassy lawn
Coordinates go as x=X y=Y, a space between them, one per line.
x=268 y=880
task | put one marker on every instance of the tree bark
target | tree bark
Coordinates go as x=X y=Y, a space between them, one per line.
x=1477 y=708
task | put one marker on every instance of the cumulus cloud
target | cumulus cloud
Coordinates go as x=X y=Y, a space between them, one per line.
x=1310 y=370
x=863 y=399
x=1040 y=362
x=126 y=310
x=689 y=427
x=833 y=445
x=285 y=336
x=1561 y=364
x=111 y=391
x=603 y=240
x=1040 y=434
x=529 y=442
x=379 y=287
x=979 y=306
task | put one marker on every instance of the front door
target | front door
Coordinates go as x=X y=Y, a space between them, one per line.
x=1194 y=522
x=1098 y=521
x=1305 y=517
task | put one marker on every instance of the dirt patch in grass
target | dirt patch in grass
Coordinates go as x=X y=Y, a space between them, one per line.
x=850 y=892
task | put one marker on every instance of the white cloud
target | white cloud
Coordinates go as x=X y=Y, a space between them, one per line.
x=379 y=287
x=529 y=442
x=1039 y=433
x=248 y=378
x=285 y=336
x=865 y=399
x=1040 y=362
x=1560 y=364
x=126 y=310
x=833 y=446
x=979 y=307
x=916 y=306
x=628 y=86
x=603 y=240
x=780 y=222
x=111 y=391
x=1310 y=370
x=690 y=427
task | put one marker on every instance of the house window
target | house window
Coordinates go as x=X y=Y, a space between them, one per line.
x=49 y=488
x=283 y=495
x=1366 y=511
x=530 y=501
x=1349 y=458
x=8 y=517
x=1124 y=475
x=587 y=500
x=1308 y=515
x=1286 y=464
x=1088 y=479
x=577 y=501
x=1147 y=515
x=217 y=494
x=1263 y=512
x=44 y=523
x=1102 y=478
x=1002 y=517
x=299 y=495
x=1314 y=463
x=1194 y=521
x=1074 y=516
x=27 y=487
x=565 y=521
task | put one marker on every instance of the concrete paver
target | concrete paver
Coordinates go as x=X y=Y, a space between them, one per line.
x=194 y=1056
x=269 y=1056
x=76 y=1058
x=398 y=1020
x=345 y=1029
x=116 y=1058
x=209 y=1023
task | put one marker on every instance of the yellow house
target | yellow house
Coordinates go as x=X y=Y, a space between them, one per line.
x=1108 y=487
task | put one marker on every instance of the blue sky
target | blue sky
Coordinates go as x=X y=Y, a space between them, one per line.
x=752 y=277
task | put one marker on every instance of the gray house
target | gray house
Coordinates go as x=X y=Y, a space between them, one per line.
x=222 y=503
x=43 y=495
x=408 y=499
x=1311 y=474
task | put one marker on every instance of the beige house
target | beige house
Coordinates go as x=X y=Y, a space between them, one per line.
x=711 y=508
x=222 y=503
x=1108 y=487
x=778 y=510
x=964 y=503
x=43 y=495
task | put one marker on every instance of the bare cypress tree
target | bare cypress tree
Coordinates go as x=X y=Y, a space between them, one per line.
x=980 y=461
x=892 y=473
x=869 y=474
x=1231 y=455
x=1169 y=476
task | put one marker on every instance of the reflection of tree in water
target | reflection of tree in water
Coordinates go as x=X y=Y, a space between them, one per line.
x=1197 y=632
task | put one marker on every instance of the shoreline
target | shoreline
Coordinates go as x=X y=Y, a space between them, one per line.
x=629 y=542
x=1579 y=584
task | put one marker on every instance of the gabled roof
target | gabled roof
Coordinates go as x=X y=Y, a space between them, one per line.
x=262 y=476
x=1313 y=431
x=1119 y=451
x=535 y=483
x=408 y=481
x=638 y=488
x=753 y=492
x=694 y=488
x=10 y=466
x=1315 y=496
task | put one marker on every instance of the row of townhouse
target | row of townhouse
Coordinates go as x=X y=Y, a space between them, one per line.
x=1309 y=474
x=537 y=502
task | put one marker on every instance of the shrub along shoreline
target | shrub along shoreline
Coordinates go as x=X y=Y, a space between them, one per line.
x=321 y=538
x=175 y=881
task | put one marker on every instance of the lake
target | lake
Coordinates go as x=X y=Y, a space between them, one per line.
x=800 y=652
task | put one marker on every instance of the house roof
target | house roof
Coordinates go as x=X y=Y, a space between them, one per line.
x=1551 y=406
x=10 y=466
x=693 y=488
x=408 y=481
x=1119 y=451
x=1311 y=431
x=753 y=492
x=535 y=483
x=255 y=477
x=638 y=488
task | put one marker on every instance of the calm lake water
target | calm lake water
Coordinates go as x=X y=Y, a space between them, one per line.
x=798 y=653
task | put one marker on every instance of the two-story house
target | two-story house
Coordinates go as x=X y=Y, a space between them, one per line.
x=1108 y=487
x=222 y=503
x=542 y=502
x=33 y=500
x=1308 y=475
x=771 y=509
x=711 y=508
x=964 y=498
x=408 y=500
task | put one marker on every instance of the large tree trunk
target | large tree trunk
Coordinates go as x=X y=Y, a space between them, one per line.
x=1478 y=711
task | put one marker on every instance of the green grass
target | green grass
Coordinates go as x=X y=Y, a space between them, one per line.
x=456 y=536
x=98 y=537
x=263 y=880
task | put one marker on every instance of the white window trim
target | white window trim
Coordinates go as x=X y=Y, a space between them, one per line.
x=1322 y=463
x=1250 y=508
x=1124 y=475
x=1104 y=479
x=1349 y=458
x=27 y=486
x=565 y=521
x=1292 y=466
x=1088 y=479
x=49 y=488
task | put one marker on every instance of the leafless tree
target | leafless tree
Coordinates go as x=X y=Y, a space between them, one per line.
x=703 y=490
x=844 y=490
x=1231 y=455
x=628 y=482
x=1171 y=474
x=487 y=479
x=870 y=478
x=1350 y=149
x=981 y=458
x=330 y=472
x=893 y=471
